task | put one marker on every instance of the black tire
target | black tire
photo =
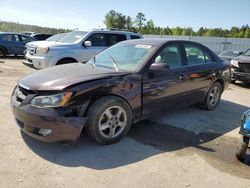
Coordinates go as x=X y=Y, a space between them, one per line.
x=66 y=61
x=2 y=52
x=98 y=118
x=242 y=150
x=208 y=103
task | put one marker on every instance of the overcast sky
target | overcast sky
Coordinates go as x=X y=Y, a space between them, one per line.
x=90 y=14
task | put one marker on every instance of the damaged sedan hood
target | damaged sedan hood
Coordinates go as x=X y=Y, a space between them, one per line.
x=243 y=59
x=63 y=76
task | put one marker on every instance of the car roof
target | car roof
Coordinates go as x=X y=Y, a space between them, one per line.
x=156 y=41
x=10 y=33
x=111 y=31
x=13 y=33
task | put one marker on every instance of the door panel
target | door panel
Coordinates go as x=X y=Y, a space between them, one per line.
x=165 y=90
x=201 y=69
x=200 y=78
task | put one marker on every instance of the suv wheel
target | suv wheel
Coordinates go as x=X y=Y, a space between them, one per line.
x=109 y=120
x=213 y=96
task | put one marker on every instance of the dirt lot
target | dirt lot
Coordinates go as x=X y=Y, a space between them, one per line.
x=186 y=148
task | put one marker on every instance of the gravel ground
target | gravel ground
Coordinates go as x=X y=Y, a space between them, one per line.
x=185 y=148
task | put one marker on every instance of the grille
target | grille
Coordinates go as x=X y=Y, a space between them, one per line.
x=244 y=67
x=31 y=50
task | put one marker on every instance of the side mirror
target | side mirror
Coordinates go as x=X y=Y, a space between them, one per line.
x=87 y=43
x=240 y=53
x=158 y=67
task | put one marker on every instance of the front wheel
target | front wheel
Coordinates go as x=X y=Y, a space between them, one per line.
x=213 y=96
x=109 y=120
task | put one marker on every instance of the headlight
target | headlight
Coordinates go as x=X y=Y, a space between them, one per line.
x=51 y=100
x=234 y=63
x=42 y=50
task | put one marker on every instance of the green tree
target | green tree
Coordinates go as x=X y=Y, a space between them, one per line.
x=177 y=31
x=115 y=19
x=247 y=33
x=150 y=27
x=140 y=20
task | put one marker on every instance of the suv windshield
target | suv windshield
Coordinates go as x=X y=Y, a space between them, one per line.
x=247 y=53
x=122 y=57
x=73 y=37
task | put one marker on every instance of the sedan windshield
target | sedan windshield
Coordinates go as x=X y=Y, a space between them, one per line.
x=122 y=57
x=73 y=37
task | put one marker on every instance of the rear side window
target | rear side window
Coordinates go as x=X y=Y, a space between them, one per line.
x=11 y=38
x=25 y=39
x=195 y=54
x=134 y=37
x=208 y=57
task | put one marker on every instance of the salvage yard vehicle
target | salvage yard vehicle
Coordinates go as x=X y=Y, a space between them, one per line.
x=13 y=43
x=245 y=132
x=41 y=36
x=76 y=46
x=123 y=84
x=241 y=67
x=229 y=54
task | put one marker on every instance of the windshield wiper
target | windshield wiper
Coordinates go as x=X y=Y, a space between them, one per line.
x=93 y=64
x=114 y=63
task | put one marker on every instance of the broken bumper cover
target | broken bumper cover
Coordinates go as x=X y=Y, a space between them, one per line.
x=48 y=125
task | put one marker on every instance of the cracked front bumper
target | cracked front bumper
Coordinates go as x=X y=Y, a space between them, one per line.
x=35 y=121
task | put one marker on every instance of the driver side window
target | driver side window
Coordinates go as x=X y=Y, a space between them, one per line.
x=171 y=55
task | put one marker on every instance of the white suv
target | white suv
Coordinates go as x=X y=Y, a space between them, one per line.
x=76 y=46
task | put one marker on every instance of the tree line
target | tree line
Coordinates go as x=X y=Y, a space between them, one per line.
x=140 y=24
x=17 y=27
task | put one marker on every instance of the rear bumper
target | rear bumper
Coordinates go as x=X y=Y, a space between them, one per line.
x=48 y=125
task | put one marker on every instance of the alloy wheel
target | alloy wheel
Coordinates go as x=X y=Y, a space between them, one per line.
x=214 y=96
x=112 y=122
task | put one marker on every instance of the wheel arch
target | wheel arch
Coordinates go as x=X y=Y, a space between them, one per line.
x=93 y=99
x=66 y=58
x=220 y=81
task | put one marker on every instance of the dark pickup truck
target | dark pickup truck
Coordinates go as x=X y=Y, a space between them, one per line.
x=123 y=84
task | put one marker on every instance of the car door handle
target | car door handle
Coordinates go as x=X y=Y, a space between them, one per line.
x=181 y=77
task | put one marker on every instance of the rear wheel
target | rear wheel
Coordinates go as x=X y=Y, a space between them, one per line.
x=213 y=96
x=109 y=120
